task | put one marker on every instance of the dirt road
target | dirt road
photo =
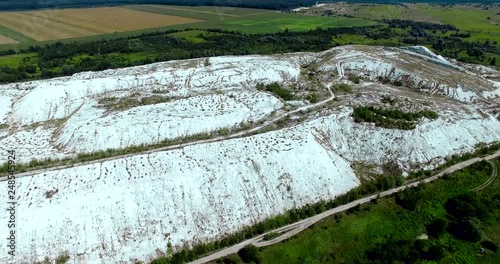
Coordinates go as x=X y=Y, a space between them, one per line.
x=494 y=174
x=295 y=228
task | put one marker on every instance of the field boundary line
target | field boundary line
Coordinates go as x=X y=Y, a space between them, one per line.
x=191 y=10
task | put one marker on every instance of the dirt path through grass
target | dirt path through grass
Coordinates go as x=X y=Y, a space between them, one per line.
x=494 y=174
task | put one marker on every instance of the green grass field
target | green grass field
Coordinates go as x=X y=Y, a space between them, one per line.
x=192 y=35
x=345 y=238
x=268 y=23
x=245 y=20
x=482 y=24
x=251 y=20
x=16 y=35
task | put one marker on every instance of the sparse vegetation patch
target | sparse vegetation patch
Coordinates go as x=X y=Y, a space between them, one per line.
x=346 y=88
x=277 y=89
x=120 y=104
x=390 y=118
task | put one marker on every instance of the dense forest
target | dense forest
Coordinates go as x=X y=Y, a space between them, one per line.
x=265 y=4
x=63 y=59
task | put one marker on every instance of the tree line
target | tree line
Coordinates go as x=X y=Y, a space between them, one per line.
x=264 y=4
x=63 y=59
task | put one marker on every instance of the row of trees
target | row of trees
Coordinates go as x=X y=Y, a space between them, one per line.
x=61 y=59
x=266 y=4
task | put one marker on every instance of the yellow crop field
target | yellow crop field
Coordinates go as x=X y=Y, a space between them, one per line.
x=72 y=23
x=6 y=40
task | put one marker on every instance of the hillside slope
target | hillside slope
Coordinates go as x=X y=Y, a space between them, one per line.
x=129 y=208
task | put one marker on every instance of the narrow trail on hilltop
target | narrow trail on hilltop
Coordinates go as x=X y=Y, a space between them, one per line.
x=297 y=227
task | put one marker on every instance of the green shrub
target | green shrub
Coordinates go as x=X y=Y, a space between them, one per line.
x=343 y=88
x=437 y=227
x=276 y=89
x=62 y=259
x=465 y=230
x=354 y=79
x=271 y=235
x=232 y=259
x=386 y=99
x=312 y=98
x=409 y=198
x=249 y=254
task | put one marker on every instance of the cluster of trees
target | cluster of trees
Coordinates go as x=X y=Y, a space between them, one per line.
x=409 y=198
x=265 y=4
x=466 y=215
x=468 y=212
x=390 y=118
x=416 y=25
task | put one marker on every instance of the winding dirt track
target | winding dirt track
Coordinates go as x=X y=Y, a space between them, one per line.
x=295 y=228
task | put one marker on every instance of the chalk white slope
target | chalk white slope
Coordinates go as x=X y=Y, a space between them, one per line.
x=153 y=123
x=60 y=117
x=221 y=95
x=131 y=208
x=128 y=208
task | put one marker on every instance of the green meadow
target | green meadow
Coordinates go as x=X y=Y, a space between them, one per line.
x=251 y=20
x=482 y=23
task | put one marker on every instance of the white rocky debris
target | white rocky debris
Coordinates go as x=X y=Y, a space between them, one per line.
x=125 y=209
x=130 y=208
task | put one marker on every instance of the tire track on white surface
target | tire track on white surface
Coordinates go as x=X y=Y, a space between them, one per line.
x=182 y=145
